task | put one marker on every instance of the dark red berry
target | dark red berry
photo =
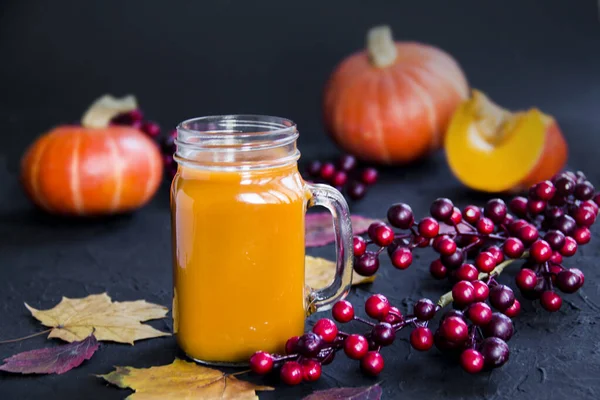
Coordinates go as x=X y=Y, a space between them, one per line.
x=580 y=274
x=545 y=190
x=485 y=226
x=437 y=269
x=584 y=191
x=582 y=235
x=291 y=373
x=526 y=279
x=471 y=214
x=327 y=171
x=454 y=329
x=528 y=234
x=394 y=316
x=382 y=235
x=550 y=301
x=456 y=217
x=357 y=190
x=479 y=313
x=383 y=334
x=590 y=205
x=401 y=216
x=556 y=239
x=513 y=247
x=497 y=253
x=311 y=370
x=151 y=129
x=485 y=261
x=424 y=309
x=261 y=363
x=495 y=210
x=367 y=264
x=551 y=213
x=441 y=209
x=535 y=207
x=471 y=361
x=584 y=216
x=356 y=346
x=564 y=185
x=359 y=245
x=372 y=363
x=309 y=344
x=495 y=352
x=499 y=326
x=518 y=205
x=327 y=329
x=540 y=251
x=454 y=260
x=516 y=226
x=569 y=248
x=463 y=293
x=402 y=258
x=291 y=345
x=568 y=281
x=377 y=306
x=429 y=228
x=482 y=291
x=467 y=272
x=346 y=162
x=513 y=310
x=369 y=176
x=314 y=168
x=421 y=241
x=501 y=297
x=339 y=178
x=343 y=311
x=446 y=247
x=421 y=338
x=556 y=258
x=566 y=224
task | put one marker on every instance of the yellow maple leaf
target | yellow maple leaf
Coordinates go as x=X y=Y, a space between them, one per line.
x=181 y=380
x=320 y=273
x=76 y=319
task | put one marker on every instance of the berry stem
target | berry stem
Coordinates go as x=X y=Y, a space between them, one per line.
x=364 y=321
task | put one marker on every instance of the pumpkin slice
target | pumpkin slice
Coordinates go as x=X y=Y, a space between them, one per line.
x=494 y=150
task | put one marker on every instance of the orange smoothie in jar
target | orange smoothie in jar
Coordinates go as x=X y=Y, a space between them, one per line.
x=238 y=240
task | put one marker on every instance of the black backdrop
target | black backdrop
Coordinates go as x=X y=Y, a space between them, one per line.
x=190 y=58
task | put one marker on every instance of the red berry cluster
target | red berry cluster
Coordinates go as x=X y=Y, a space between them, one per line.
x=135 y=119
x=475 y=245
x=344 y=174
x=543 y=228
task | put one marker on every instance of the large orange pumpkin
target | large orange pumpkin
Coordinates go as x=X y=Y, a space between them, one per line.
x=93 y=169
x=391 y=103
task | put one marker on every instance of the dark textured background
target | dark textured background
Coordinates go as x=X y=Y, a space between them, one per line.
x=184 y=59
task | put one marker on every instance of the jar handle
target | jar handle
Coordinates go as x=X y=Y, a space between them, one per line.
x=328 y=197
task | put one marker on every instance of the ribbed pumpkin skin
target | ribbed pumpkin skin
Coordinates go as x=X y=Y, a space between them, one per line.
x=395 y=114
x=73 y=170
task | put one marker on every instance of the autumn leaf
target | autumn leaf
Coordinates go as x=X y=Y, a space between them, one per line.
x=319 y=228
x=181 y=380
x=357 y=393
x=76 y=319
x=320 y=273
x=52 y=360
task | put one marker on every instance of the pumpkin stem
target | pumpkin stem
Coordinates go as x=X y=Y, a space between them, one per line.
x=106 y=108
x=381 y=47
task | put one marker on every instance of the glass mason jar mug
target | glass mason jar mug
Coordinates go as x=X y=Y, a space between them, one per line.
x=237 y=205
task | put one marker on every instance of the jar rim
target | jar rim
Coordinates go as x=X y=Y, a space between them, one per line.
x=252 y=134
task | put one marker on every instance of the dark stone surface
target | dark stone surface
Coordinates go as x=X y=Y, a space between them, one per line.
x=58 y=56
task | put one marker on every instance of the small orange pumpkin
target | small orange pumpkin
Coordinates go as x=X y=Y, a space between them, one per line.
x=93 y=169
x=391 y=103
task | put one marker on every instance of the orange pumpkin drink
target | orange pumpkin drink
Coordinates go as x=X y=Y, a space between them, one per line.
x=238 y=205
